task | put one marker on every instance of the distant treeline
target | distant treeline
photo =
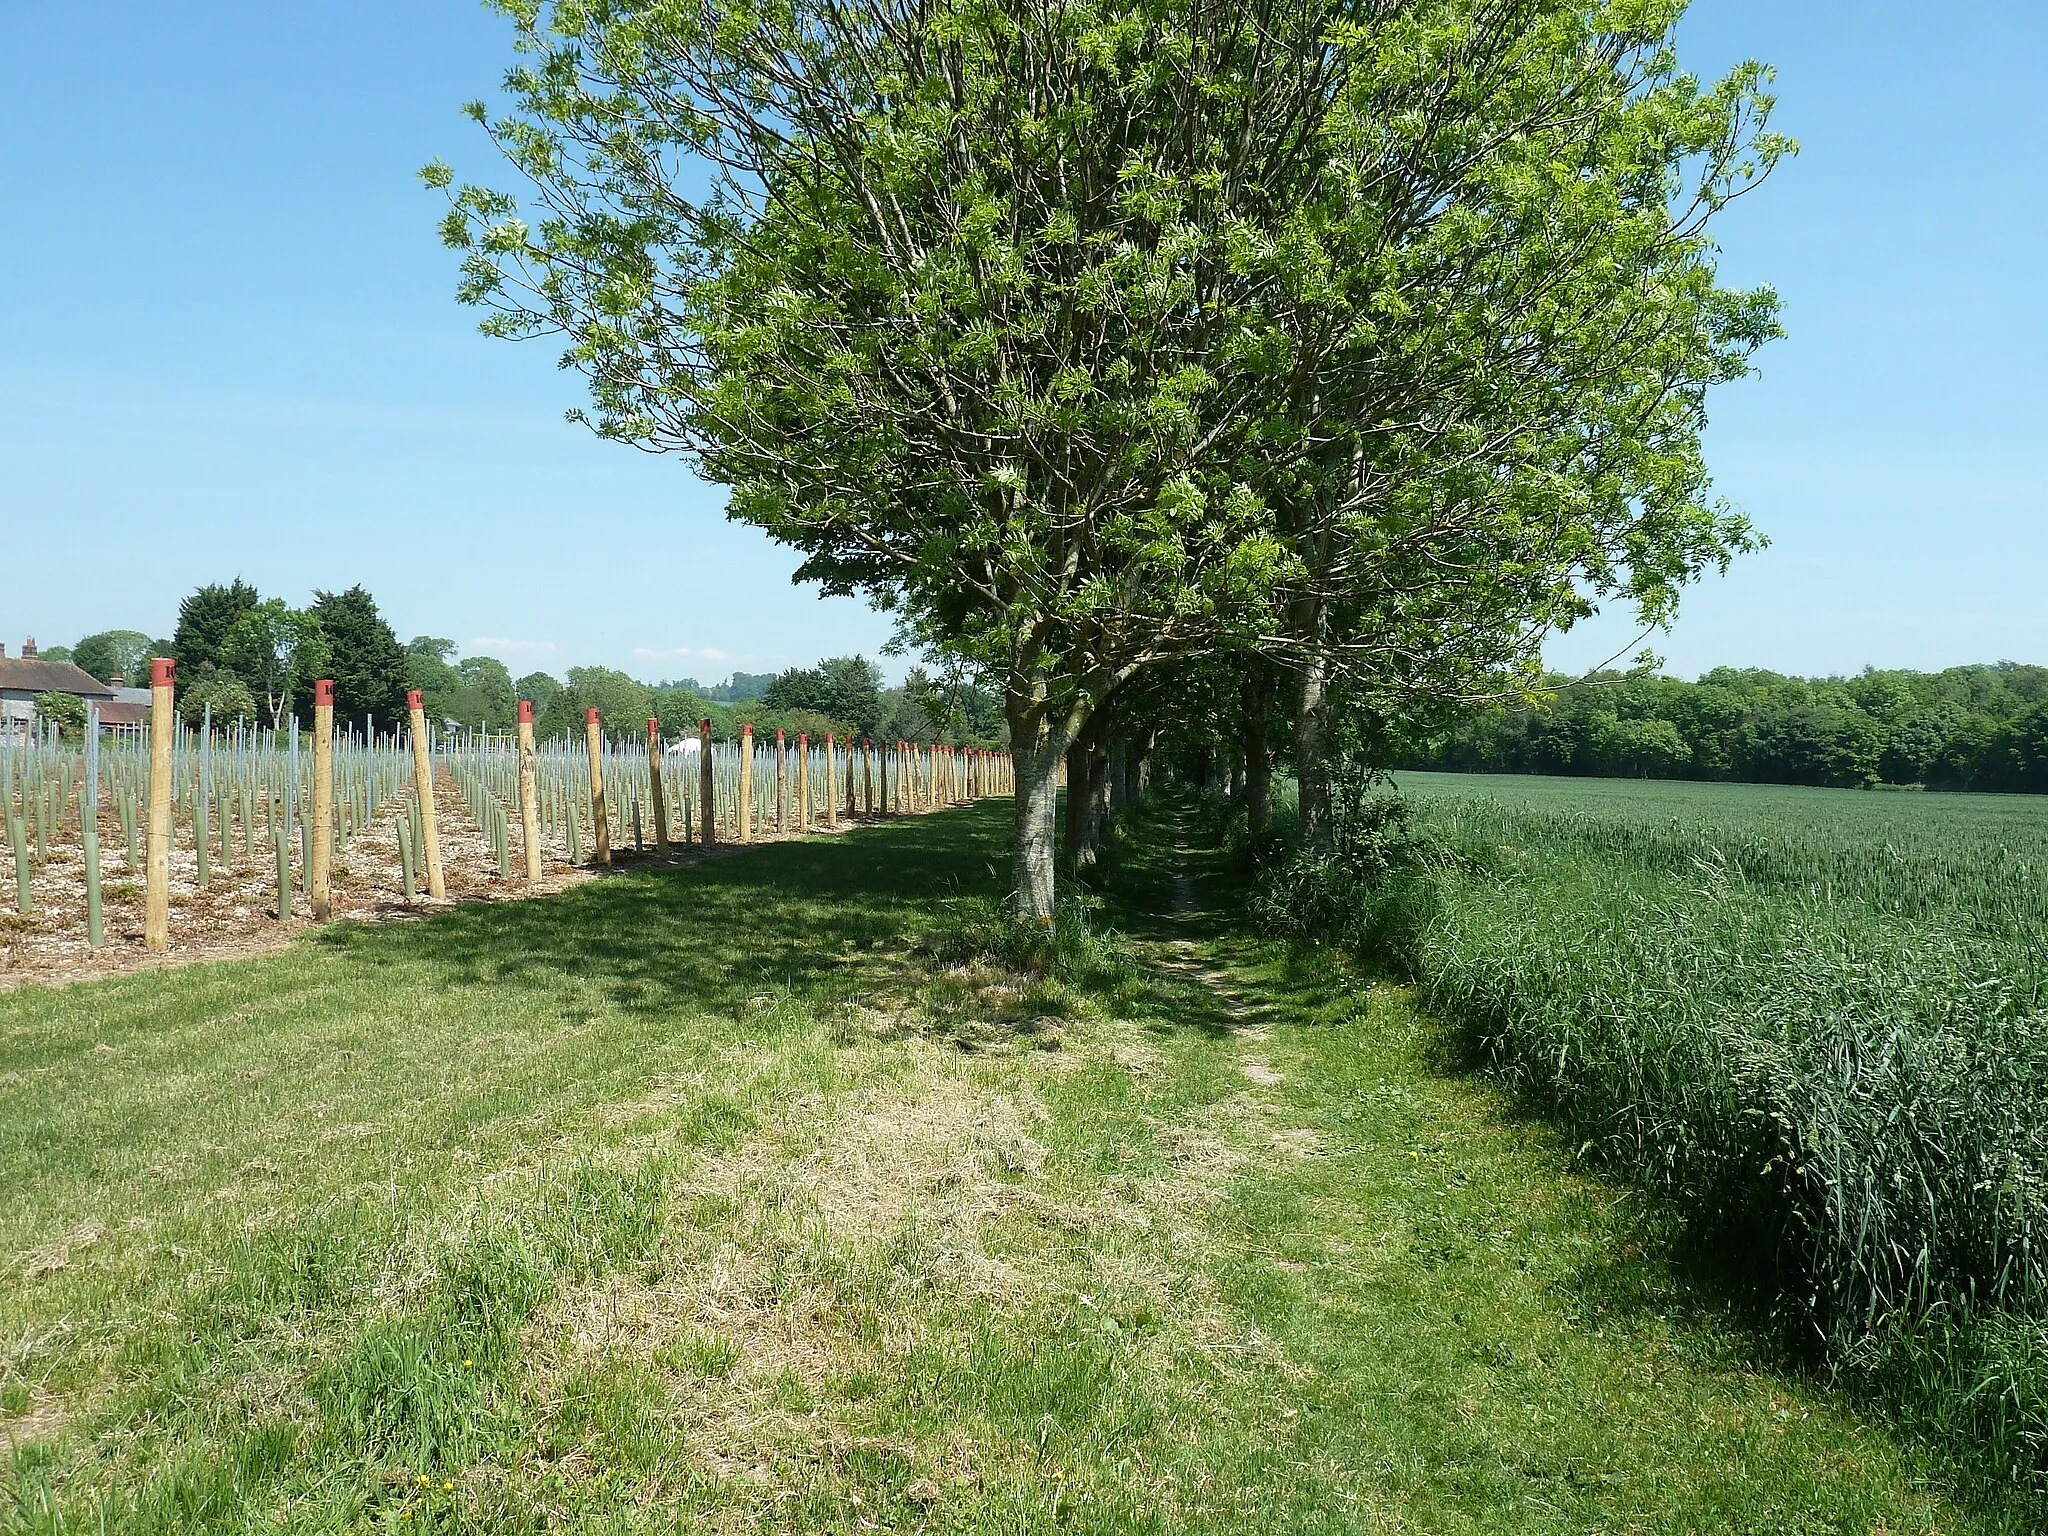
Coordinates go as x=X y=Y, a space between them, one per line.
x=845 y=694
x=244 y=657
x=1967 y=728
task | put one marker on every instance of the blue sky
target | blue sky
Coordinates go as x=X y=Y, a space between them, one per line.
x=229 y=345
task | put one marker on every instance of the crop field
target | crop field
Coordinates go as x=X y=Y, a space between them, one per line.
x=1817 y=1019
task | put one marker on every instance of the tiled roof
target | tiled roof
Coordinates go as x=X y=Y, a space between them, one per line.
x=51 y=677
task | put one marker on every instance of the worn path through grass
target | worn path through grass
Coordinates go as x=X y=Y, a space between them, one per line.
x=744 y=1198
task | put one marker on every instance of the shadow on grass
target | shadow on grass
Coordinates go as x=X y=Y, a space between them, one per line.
x=816 y=919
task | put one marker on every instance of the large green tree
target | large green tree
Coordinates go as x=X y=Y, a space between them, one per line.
x=112 y=653
x=204 y=620
x=842 y=688
x=278 y=652
x=369 y=666
x=1061 y=330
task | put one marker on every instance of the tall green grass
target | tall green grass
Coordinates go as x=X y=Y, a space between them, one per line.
x=1814 y=1020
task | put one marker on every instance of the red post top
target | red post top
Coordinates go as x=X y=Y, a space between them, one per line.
x=323 y=693
x=704 y=725
x=778 y=735
x=526 y=711
x=865 y=743
x=747 y=730
x=163 y=672
x=653 y=726
x=590 y=717
x=412 y=698
x=830 y=739
x=803 y=740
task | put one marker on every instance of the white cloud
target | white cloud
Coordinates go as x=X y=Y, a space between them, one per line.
x=520 y=647
x=680 y=653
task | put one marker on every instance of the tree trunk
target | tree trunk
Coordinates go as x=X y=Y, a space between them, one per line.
x=1138 y=764
x=1038 y=746
x=1088 y=789
x=1312 y=753
x=1080 y=849
x=1258 y=752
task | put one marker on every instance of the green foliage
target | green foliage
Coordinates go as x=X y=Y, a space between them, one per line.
x=66 y=711
x=485 y=695
x=368 y=665
x=1976 y=728
x=204 y=620
x=1357 y=889
x=278 y=652
x=623 y=705
x=210 y=685
x=1095 y=341
x=117 y=652
x=846 y=689
x=539 y=690
x=1078 y=949
x=477 y=691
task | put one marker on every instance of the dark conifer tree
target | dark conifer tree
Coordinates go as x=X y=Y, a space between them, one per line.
x=204 y=620
x=368 y=663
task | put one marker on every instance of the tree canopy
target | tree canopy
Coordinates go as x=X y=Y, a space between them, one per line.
x=122 y=653
x=365 y=660
x=204 y=619
x=1103 y=340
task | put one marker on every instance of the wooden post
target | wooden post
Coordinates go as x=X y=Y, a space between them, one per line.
x=707 y=787
x=529 y=792
x=803 y=784
x=163 y=730
x=654 y=783
x=423 y=782
x=89 y=827
x=867 y=775
x=781 y=784
x=831 y=780
x=320 y=880
x=882 y=773
x=600 y=818
x=746 y=818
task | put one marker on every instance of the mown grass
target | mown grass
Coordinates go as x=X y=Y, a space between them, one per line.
x=754 y=1197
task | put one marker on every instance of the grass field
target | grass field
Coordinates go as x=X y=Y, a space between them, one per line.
x=1816 y=1019
x=743 y=1198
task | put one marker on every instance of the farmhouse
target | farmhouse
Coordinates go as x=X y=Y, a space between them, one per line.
x=23 y=677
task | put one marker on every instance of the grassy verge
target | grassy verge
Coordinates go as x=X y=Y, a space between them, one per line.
x=1820 y=1035
x=743 y=1198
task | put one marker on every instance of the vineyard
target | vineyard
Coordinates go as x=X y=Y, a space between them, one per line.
x=412 y=817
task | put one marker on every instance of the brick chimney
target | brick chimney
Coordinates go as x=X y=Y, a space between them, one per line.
x=28 y=649
x=3 y=653
x=117 y=681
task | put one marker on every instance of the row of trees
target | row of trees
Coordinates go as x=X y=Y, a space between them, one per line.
x=1977 y=728
x=844 y=694
x=250 y=657
x=1286 y=366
